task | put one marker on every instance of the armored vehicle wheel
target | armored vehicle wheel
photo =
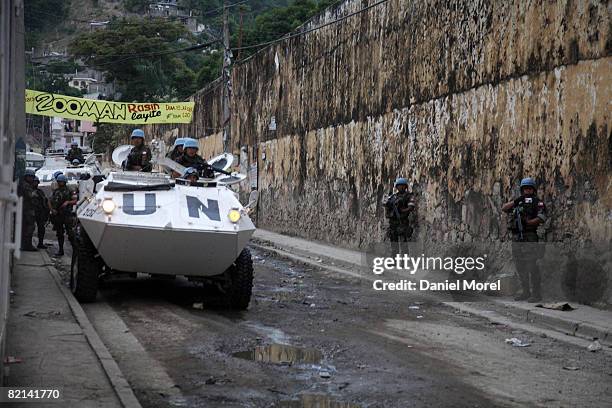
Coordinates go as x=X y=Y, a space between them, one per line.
x=241 y=281
x=85 y=269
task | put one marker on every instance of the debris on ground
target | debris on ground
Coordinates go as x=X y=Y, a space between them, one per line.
x=343 y=386
x=324 y=374
x=419 y=316
x=571 y=368
x=517 y=342
x=594 y=346
x=563 y=306
x=413 y=307
x=198 y=305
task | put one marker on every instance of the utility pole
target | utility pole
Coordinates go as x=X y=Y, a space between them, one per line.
x=227 y=84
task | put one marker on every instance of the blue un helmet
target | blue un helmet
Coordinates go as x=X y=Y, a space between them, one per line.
x=61 y=178
x=74 y=144
x=400 y=181
x=528 y=182
x=76 y=162
x=57 y=173
x=29 y=172
x=189 y=142
x=137 y=133
x=189 y=171
x=179 y=141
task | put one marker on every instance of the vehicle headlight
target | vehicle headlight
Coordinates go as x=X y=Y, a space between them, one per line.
x=108 y=205
x=233 y=215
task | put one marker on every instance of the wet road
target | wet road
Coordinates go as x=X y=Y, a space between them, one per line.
x=313 y=339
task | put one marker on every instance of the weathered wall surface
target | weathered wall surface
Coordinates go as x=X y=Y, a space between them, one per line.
x=464 y=98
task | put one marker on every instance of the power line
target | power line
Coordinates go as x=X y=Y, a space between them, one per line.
x=287 y=37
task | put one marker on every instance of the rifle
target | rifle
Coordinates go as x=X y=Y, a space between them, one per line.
x=519 y=222
x=205 y=166
x=391 y=204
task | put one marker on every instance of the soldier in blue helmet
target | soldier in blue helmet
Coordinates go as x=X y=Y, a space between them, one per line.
x=191 y=175
x=28 y=216
x=41 y=212
x=399 y=210
x=190 y=158
x=140 y=156
x=62 y=201
x=177 y=149
x=527 y=213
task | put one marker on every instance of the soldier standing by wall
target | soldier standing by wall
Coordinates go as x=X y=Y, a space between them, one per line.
x=61 y=208
x=26 y=190
x=528 y=212
x=41 y=211
x=399 y=208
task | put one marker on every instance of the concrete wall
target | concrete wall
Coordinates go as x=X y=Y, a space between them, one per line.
x=464 y=98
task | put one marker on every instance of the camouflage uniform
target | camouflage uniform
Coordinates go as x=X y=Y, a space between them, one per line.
x=525 y=256
x=400 y=222
x=41 y=210
x=139 y=156
x=63 y=219
x=197 y=163
x=175 y=154
x=28 y=220
x=75 y=153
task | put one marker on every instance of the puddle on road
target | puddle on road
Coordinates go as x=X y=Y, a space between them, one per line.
x=316 y=401
x=281 y=354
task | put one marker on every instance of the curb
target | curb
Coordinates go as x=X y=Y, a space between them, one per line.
x=306 y=260
x=571 y=327
x=553 y=333
x=119 y=383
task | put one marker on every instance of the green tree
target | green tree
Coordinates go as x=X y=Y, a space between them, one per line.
x=108 y=136
x=211 y=69
x=136 y=6
x=128 y=52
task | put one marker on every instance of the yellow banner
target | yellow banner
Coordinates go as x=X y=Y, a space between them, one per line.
x=93 y=110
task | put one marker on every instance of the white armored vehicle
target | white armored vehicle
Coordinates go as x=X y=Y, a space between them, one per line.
x=149 y=223
x=73 y=173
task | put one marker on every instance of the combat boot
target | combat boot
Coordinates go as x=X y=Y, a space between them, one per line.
x=536 y=293
x=60 y=245
x=41 y=239
x=522 y=296
x=525 y=292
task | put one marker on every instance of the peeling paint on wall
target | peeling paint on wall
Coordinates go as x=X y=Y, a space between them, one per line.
x=463 y=98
